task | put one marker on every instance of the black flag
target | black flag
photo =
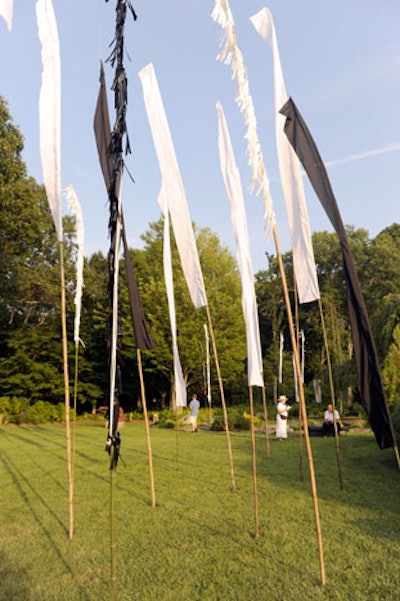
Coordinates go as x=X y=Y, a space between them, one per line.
x=143 y=339
x=369 y=376
x=102 y=131
x=104 y=147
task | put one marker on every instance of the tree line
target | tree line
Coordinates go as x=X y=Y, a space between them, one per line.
x=30 y=347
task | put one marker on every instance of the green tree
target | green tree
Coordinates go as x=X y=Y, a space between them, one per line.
x=28 y=251
x=222 y=284
x=30 y=351
x=382 y=290
x=391 y=370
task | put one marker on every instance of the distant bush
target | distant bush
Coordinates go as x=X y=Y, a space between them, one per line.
x=237 y=420
x=18 y=410
x=165 y=418
x=133 y=416
x=168 y=423
x=42 y=412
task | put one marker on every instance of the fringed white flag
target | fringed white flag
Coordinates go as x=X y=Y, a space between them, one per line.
x=230 y=54
x=74 y=204
x=180 y=390
x=233 y=186
x=292 y=182
x=6 y=11
x=173 y=187
x=50 y=110
x=281 y=343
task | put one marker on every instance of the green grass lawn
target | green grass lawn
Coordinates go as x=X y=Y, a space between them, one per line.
x=198 y=543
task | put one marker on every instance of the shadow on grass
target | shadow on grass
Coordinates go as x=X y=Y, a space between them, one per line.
x=15 y=435
x=14 y=584
x=17 y=477
x=46 y=442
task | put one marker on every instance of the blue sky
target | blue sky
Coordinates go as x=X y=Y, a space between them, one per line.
x=341 y=64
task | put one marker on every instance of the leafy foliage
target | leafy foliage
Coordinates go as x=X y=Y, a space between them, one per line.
x=30 y=341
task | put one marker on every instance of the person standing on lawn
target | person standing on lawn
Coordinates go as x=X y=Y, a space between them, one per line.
x=282 y=412
x=194 y=406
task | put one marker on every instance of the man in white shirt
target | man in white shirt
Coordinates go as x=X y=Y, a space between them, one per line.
x=329 y=417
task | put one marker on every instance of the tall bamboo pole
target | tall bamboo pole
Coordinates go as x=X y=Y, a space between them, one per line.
x=254 y=465
x=73 y=425
x=208 y=372
x=146 y=421
x=332 y=393
x=303 y=408
x=113 y=577
x=221 y=388
x=67 y=395
x=267 y=444
x=115 y=228
x=297 y=331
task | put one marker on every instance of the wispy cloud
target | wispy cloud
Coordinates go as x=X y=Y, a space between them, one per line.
x=364 y=155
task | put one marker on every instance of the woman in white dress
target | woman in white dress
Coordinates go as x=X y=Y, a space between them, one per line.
x=282 y=412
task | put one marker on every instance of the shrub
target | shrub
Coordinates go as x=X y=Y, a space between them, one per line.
x=18 y=410
x=168 y=423
x=218 y=423
x=42 y=412
x=237 y=420
x=14 y=409
x=396 y=421
x=166 y=418
x=134 y=416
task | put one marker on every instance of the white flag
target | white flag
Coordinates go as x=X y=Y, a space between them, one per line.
x=292 y=183
x=180 y=390
x=234 y=190
x=6 y=11
x=232 y=55
x=50 y=110
x=74 y=205
x=173 y=187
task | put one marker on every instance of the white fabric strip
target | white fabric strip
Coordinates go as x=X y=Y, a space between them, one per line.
x=233 y=186
x=173 y=187
x=6 y=11
x=292 y=183
x=180 y=390
x=74 y=204
x=281 y=343
x=50 y=110
x=231 y=54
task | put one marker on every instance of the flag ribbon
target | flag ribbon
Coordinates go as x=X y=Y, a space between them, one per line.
x=233 y=186
x=231 y=54
x=110 y=148
x=6 y=11
x=291 y=178
x=50 y=110
x=172 y=187
x=74 y=205
x=370 y=385
x=180 y=389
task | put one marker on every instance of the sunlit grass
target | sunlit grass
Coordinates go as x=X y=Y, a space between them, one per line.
x=198 y=543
